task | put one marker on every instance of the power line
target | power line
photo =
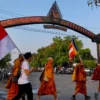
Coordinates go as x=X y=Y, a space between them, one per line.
x=33 y=29
x=41 y=30
x=48 y=32
x=20 y=15
x=10 y=13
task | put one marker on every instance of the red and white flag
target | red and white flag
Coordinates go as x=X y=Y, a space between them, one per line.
x=6 y=44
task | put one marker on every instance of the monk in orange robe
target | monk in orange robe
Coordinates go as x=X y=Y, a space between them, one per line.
x=79 y=76
x=15 y=75
x=48 y=86
x=96 y=77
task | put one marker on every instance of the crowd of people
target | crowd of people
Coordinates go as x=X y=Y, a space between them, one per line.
x=19 y=85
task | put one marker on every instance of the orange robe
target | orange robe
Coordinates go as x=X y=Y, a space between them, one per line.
x=81 y=87
x=14 y=86
x=80 y=79
x=96 y=76
x=48 y=87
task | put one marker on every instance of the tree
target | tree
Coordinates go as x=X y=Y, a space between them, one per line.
x=96 y=2
x=5 y=60
x=59 y=50
x=86 y=54
x=89 y=63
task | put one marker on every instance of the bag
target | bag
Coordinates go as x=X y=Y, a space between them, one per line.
x=75 y=76
x=78 y=74
x=41 y=76
x=46 y=79
x=9 y=83
x=15 y=78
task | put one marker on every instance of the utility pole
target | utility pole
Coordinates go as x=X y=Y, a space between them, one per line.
x=97 y=40
x=98 y=51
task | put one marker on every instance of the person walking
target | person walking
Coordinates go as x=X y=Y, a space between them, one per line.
x=13 y=89
x=23 y=82
x=48 y=86
x=96 y=77
x=79 y=76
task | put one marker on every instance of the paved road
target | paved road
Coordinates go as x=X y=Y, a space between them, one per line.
x=65 y=87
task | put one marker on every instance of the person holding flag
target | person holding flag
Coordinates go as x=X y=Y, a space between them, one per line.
x=6 y=45
x=79 y=75
x=13 y=89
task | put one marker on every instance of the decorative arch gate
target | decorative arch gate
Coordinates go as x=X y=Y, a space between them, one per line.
x=54 y=18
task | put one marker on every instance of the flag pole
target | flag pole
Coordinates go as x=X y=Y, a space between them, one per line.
x=15 y=44
x=16 y=47
x=80 y=58
x=77 y=51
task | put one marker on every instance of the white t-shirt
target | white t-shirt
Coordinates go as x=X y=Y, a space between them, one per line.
x=23 y=77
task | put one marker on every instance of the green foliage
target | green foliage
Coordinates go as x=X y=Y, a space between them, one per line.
x=86 y=54
x=89 y=63
x=5 y=60
x=59 y=50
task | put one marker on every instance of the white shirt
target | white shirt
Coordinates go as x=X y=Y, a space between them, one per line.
x=23 y=77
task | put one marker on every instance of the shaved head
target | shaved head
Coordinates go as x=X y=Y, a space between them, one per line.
x=50 y=58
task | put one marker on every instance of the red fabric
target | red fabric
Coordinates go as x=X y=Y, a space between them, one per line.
x=81 y=88
x=72 y=51
x=96 y=74
x=3 y=33
x=72 y=55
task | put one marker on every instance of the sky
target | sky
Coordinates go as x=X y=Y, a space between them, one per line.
x=76 y=11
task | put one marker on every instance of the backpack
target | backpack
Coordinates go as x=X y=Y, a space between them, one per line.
x=15 y=78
